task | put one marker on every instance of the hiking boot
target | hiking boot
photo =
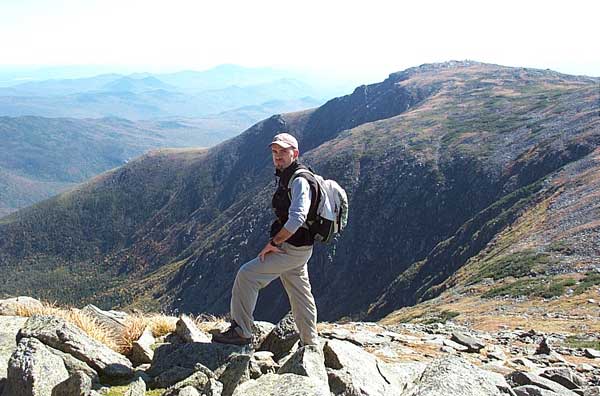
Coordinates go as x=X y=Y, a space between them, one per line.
x=231 y=336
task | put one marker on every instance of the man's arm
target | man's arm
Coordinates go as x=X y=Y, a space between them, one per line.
x=297 y=214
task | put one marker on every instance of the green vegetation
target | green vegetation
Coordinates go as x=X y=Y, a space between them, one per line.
x=518 y=264
x=120 y=391
x=536 y=287
x=591 y=279
x=435 y=317
x=577 y=341
x=561 y=247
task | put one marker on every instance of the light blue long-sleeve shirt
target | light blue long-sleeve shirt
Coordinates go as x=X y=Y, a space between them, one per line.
x=300 y=205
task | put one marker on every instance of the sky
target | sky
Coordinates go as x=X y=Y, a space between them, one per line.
x=366 y=39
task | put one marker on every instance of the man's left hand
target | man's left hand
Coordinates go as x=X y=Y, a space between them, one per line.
x=268 y=249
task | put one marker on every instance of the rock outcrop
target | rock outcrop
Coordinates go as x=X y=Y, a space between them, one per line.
x=357 y=359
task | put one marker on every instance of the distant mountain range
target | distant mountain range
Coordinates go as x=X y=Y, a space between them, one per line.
x=144 y=96
x=40 y=157
x=457 y=173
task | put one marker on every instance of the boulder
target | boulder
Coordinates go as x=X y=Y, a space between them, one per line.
x=187 y=330
x=33 y=370
x=262 y=363
x=452 y=375
x=282 y=338
x=141 y=349
x=308 y=361
x=9 y=327
x=592 y=391
x=76 y=367
x=472 y=343
x=172 y=376
x=523 y=378
x=211 y=355
x=591 y=353
x=565 y=377
x=405 y=374
x=544 y=347
x=136 y=388
x=202 y=381
x=187 y=391
x=455 y=345
x=233 y=372
x=113 y=320
x=10 y=306
x=68 y=338
x=78 y=384
x=260 y=332
x=282 y=385
x=356 y=371
x=531 y=390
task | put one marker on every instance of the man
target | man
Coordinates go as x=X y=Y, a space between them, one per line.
x=286 y=254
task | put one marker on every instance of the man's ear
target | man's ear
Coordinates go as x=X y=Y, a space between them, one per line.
x=296 y=153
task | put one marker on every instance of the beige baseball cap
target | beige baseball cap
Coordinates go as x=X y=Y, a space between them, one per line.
x=285 y=140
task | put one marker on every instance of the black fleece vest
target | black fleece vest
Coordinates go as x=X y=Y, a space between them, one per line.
x=281 y=205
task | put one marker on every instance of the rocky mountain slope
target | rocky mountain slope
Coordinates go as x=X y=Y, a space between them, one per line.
x=442 y=164
x=50 y=353
x=40 y=157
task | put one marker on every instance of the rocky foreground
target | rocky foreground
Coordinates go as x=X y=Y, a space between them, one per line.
x=47 y=355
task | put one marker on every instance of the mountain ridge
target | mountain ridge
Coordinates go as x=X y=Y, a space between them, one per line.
x=478 y=131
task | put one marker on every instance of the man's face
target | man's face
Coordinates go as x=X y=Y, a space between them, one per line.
x=283 y=157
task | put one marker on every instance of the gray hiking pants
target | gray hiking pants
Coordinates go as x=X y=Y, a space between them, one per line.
x=291 y=267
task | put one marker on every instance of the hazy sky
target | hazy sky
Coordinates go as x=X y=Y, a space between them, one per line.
x=368 y=38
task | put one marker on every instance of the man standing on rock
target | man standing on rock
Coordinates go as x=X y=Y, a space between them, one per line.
x=286 y=254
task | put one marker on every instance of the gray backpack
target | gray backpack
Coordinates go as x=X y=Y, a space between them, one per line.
x=332 y=208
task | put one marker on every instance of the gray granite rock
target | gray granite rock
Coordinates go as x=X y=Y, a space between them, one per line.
x=591 y=353
x=187 y=330
x=171 y=376
x=531 y=390
x=9 y=327
x=113 y=320
x=472 y=343
x=211 y=355
x=356 y=371
x=455 y=345
x=308 y=361
x=233 y=372
x=136 y=388
x=260 y=332
x=187 y=391
x=404 y=374
x=262 y=363
x=78 y=384
x=592 y=391
x=33 y=370
x=523 y=378
x=544 y=347
x=452 y=375
x=10 y=306
x=202 y=381
x=282 y=385
x=567 y=378
x=68 y=338
x=282 y=338
x=141 y=349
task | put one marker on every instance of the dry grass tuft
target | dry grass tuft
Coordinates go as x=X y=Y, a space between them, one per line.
x=47 y=308
x=162 y=324
x=134 y=328
x=208 y=323
x=90 y=325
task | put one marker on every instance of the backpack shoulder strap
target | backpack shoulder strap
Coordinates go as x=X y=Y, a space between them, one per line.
x=297 y=173
x=309 y=175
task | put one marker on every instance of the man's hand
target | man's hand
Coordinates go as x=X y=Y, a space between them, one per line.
x=268 y=249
